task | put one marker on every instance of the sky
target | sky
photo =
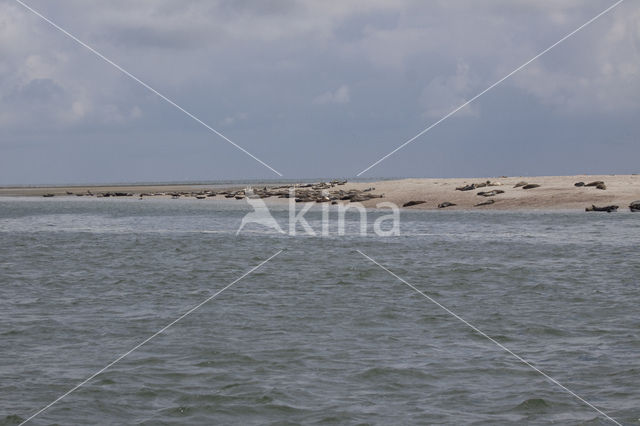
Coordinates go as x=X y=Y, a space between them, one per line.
x=316 y=89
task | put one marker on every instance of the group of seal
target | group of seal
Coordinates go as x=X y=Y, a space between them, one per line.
x=634 y=207
x=472 y=186
x=598 y=184
x=321 y=192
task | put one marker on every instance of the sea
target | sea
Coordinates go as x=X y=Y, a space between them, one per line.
x=156 y=312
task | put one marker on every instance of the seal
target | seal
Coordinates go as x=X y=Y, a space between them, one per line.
x=413 y=203
x=491 y=193
x=445 y=204
x=607 y=209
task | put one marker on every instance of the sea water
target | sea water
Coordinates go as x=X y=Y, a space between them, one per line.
x=319 y=334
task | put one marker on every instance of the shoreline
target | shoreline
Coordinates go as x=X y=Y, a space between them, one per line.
x=503 y=193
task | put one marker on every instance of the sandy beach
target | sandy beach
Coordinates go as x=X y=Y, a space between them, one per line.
x=554 y=192
x=500 y=193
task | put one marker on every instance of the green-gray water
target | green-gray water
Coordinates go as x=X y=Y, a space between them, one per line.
x=319 y=335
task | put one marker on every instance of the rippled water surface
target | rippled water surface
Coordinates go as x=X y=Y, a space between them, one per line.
x=320 y=334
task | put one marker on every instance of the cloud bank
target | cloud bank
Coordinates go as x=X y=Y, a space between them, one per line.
x=344 y=82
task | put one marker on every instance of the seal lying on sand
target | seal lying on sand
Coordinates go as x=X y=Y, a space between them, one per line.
x=445 y=204
x=607 y=209
x=491 y=193
x=635 y=206
x=470 y=187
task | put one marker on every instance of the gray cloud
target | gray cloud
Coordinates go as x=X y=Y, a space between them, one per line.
x=381 y=70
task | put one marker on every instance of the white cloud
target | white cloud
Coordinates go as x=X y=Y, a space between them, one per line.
x=602 y=74
x=339 y=96
x=595 y=70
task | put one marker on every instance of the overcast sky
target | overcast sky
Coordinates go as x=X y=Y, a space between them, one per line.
x=316 y=89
